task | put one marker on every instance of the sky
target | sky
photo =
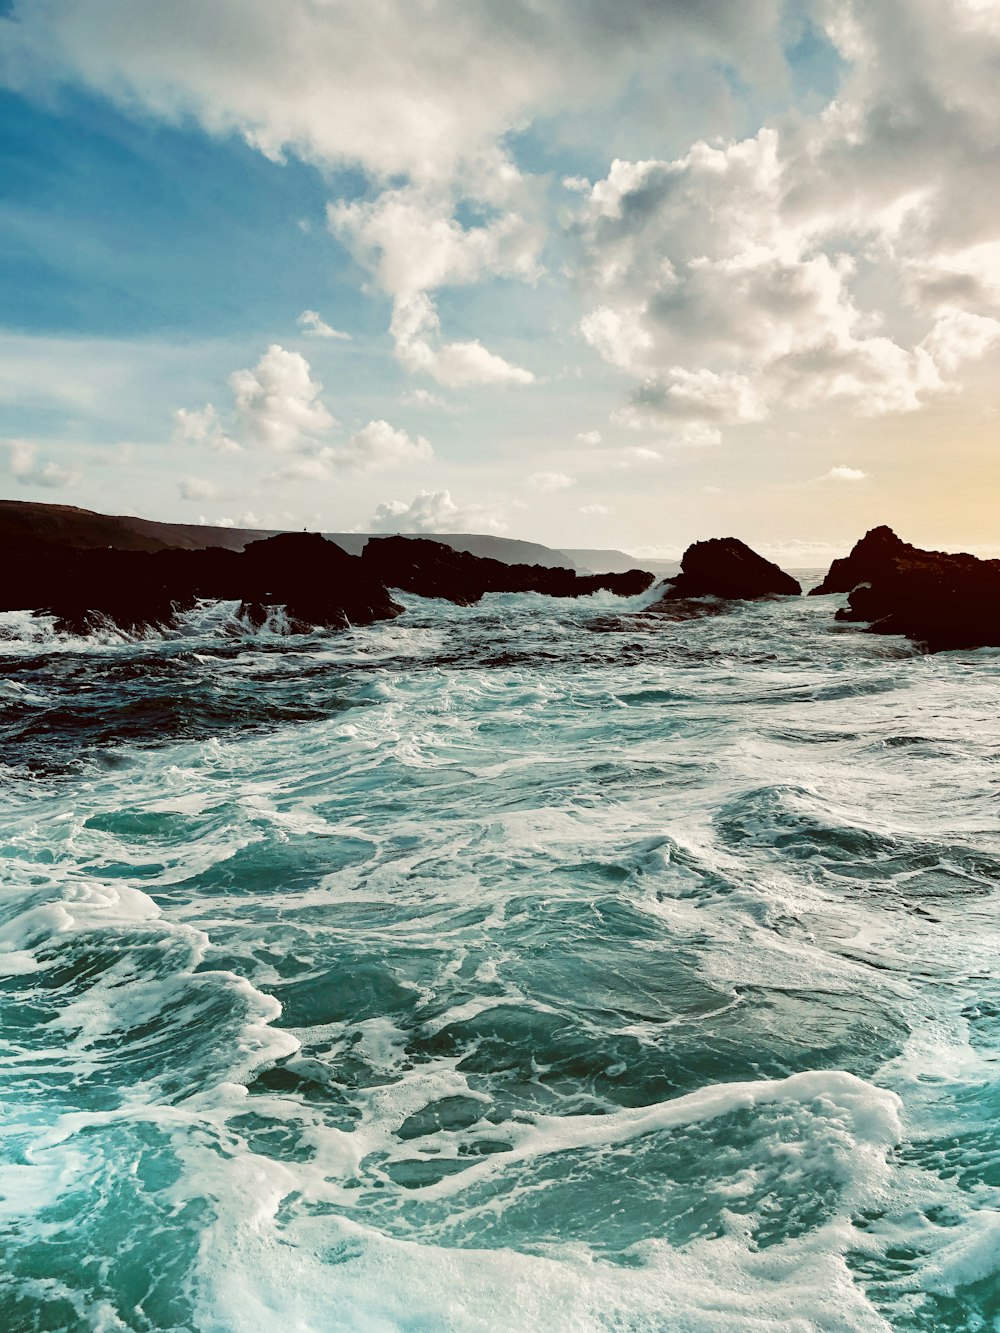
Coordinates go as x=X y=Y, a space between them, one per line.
x=595 y=273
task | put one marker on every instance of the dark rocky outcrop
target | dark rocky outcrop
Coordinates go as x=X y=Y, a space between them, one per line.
x=431 y=569
x=726 y=567
x=316 y=582
x=938 y=599
x=873 y=555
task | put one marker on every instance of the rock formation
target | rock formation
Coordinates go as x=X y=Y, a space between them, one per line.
x=938 y=599
x=431 y=569
x=315 y=581
x=726 y=567
x=874 y=554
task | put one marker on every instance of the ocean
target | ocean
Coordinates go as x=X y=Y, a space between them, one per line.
x=538 y=965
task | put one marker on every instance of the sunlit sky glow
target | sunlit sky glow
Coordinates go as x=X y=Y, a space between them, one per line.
x=589 y=272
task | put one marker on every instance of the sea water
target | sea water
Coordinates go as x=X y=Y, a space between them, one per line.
x=539 y=965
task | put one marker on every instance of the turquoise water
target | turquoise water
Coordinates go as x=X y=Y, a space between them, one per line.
x=535 y=965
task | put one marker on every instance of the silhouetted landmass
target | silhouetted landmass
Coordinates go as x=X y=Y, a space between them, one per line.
x=936 y=598
x=727 y=568
x=589 y=560
x=431 y=569
x=83 y=528
x=873 y=555
x=65 y=525
x=312 y=579
x=510 y=550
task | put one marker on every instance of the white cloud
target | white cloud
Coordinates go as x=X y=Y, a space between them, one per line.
x=412 y=243
x=410 y=240
x=278 y=401
x=422 y=398
x=421 y=98
x=197 y=488
x=202 y=426
x=377 y=447
x=597 y=510
x=959 y=336
x=434 y=511
x=310 y=321
x=417 y=91
x=416 y=329
x=823 y=260
x=551 y=481
x=844 y=474
x=589 y=437
x=640 y=454
x=25 y=466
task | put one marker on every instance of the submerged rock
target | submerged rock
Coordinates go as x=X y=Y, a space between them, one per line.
x=432 y=569
x=726 y=567
x=938 y=599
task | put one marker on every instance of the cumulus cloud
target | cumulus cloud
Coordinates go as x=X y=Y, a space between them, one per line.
x=551 y=481
x=597 y=510
x=376 y=447
x=202 y=426
x=278 y=402
x=310 y=321
x=823 y=260
x=589 y=437
x=413 y=245
x=379 y=445
x=410 y=240
x=25 y=466
x=416 y=329
x=197 y=488
x=421 y=99
x=434 y=511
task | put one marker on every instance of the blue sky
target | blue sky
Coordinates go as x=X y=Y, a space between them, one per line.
x=594 y=275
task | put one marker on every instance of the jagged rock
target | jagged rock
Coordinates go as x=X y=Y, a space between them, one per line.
x=431 y=569
x=726 y=567
x=938 y=599
x=316 y=582
x=873 y=555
